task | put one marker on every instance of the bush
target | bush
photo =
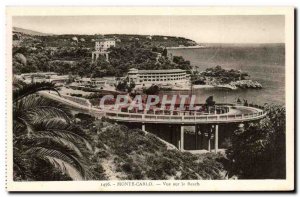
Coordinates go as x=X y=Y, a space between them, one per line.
x=258 y=151
x=76 y=95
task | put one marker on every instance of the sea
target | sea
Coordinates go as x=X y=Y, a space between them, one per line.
x=264 y=63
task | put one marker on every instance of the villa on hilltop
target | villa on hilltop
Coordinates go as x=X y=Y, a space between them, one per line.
x=101 y=47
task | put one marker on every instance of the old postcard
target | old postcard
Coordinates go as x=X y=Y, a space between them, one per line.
x=150 y=99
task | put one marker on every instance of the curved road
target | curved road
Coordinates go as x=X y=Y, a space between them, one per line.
x=236 y=114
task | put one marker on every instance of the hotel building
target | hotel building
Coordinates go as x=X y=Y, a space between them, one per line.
x=158 y=77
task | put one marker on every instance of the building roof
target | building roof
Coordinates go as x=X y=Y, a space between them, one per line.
x=156 y=71
x=39 y=73
x=104 y=39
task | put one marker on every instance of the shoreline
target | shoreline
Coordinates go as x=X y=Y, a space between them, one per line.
x=200 y=87
x=187 y=47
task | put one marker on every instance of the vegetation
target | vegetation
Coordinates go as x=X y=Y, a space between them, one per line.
x=218 y=75
x=152 y=90
x=258 y=151
x=50 y=144
x=76 y=95
x=131 y=154
x=47 y=144
x=124 y=86
x=67 y=54
x=210 y=101
x=121 y=59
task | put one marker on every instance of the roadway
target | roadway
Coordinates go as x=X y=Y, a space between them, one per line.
x=236 y=114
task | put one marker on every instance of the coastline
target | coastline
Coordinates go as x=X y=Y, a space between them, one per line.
x=187 y=47
x=203 y=87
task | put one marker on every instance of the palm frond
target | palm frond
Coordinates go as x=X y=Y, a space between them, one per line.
x=47 y=153
x=59 y=127
x=29 y=89
x=50 y=140
x=58 y=139
x=70 y=136
x=66 y=168
x=44 y=130
x=35 y=109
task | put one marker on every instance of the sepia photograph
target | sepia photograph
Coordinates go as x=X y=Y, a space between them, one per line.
x=150 y=99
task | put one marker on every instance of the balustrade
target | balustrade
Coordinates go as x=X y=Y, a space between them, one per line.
x=164 y=114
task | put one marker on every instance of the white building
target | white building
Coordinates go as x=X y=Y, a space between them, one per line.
x=158 y=77
x=103 y=44
x=99 y=82
x=44 y=77
x=101 y=47
x=95 y=83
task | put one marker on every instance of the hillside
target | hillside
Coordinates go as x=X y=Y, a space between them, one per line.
x=131 y=154
x=72 y=54
x=29 y=32
x=67 y=40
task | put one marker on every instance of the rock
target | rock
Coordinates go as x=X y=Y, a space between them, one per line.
x=21 y=58
x=246 y=84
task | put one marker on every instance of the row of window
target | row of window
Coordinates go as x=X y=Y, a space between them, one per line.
x=105 y=45
x=164 y=76
x=111 y=42
x=173 y=79
x=155 y=74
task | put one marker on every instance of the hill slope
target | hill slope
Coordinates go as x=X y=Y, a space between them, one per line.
x=29 y=32
x=131 y=154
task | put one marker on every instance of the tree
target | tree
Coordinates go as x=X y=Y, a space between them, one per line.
x=154 y=49
x=122 y=86
x=47 y=145
x=152 y=90
x=131 y=86
x=210 y=101
x=165 y=52
x=258 y=151
x=182 y=63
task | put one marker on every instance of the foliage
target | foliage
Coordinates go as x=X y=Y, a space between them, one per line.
x=183 y=64
x=71 y=53
x=29 y=89
x=223 y=76
x=47 y=143
x=152 y=90
x=76 y=95
x=137 y=155
x=125 y=86
x=210 y=101
x=59 y=53
x=258 y=151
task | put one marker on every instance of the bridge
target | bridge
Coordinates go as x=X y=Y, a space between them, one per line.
x=235 y=114
x=206 y=126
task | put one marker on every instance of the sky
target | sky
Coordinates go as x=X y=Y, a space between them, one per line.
x=202 y=29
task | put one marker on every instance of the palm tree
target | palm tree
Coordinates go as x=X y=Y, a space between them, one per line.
x=43 y=132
